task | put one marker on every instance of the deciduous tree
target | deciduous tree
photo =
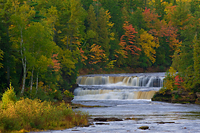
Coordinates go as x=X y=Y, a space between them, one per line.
x=148 y=44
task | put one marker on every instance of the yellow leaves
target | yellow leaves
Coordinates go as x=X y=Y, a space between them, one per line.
x=97 y=54
x=148 y=43
x=111 y=64
x=59 y=31
x=183 y=0
x=110 y=24
x=172 y=72
x=11 y=26
x=167 y=7
x=169 y=81
x=32 y=115
x=112 y=36
x=108 y=14
x=64 y=40
x=169 y=84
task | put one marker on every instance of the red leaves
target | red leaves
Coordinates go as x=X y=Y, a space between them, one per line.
x=83 y=57
x=127 y=40
x=178 y=81
x=150 y=17
x=161 y=29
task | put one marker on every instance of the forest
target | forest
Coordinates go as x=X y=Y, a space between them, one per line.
x=46 y=44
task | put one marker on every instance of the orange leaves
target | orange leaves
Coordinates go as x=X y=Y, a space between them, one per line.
x=151 y=18
x=169 y=11
x=162 y=29
x=83 y=57
x=97 y=54
x=127 y=41
x=55 y=62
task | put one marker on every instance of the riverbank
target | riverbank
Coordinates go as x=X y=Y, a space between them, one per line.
x=24 y=114
x=178 y=96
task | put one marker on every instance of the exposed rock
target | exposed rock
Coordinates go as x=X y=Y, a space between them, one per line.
x=164 y=122
x=100 y=119
x=67 y=99
x=137 y=119
x=107 y=119
x=182 y=96
x=166 y=96
x=99 y=123
x=198 y=94
x=179 y=96
x=75 y=130
x=197 y=101
x=74 y=86
x=144 y=127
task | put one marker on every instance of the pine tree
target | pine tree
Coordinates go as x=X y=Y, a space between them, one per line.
x=92 y=33
x=103 y=32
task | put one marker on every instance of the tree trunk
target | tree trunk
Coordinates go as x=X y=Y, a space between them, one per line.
x=31 y=86
x=37 y=83
x=24 y=77
x=23 y=63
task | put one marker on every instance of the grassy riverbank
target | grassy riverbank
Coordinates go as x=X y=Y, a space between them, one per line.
x=34 y=115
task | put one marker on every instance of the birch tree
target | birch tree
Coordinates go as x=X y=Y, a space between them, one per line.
x=20 y=21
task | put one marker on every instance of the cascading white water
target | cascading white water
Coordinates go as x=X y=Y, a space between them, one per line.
x=127 y=81
x=126 y=86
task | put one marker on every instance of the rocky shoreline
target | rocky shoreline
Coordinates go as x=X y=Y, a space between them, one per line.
x=180 y=96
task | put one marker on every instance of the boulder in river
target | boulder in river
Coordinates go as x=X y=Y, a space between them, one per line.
x=144 y=127
x=107 y=119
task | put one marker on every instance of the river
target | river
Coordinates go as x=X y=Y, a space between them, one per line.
x=128 y=97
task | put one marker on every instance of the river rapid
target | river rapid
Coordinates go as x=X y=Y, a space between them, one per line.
x=128 y=97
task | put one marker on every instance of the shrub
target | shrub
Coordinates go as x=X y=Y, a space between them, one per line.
x=9 y=97
x=68 y=94
x=33 y=115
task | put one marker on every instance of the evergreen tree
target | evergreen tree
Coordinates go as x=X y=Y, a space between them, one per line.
x=103 y=32
x=92 y=33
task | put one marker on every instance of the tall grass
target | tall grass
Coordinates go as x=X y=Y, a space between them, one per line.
x=32 y=115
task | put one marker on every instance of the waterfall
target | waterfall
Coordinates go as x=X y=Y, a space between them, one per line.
x=118 y=86
x=148 y=81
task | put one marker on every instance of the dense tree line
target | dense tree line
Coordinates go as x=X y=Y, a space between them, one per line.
x=44 y=44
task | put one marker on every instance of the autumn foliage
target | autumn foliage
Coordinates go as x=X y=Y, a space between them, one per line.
x=96 y=54
x=148 y=44
x=161 y=29
x=127 y=41
x=178 y=81
x=56 y=63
